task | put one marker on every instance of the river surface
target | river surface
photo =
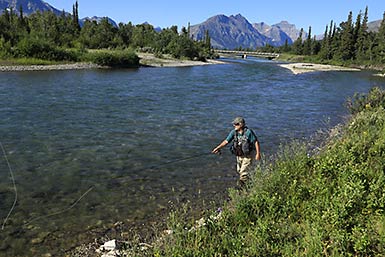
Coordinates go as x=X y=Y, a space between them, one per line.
x=90 y=149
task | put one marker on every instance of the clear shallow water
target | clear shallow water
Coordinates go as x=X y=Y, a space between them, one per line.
x=116 y=130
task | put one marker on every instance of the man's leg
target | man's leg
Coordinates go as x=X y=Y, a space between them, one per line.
x=244 y=165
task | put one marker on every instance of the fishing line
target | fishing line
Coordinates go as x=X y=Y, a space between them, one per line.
x=14 y=187
x=16 y=196
x=85 y=193
x=61 y=211
x=91 y=188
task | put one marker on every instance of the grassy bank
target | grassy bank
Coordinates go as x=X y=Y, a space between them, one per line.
x=328 y=203
x=57 y=56
x=286 y=57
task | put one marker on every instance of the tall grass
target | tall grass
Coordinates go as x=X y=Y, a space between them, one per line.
x=329 y=204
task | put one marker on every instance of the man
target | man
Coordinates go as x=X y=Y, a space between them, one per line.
x=245 y=147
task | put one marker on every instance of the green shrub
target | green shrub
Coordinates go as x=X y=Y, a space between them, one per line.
x=359 y=102
x=114 y=58
x=34 y=48
x=5 y=48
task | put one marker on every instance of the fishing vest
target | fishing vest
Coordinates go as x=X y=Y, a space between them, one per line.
x=241 y=144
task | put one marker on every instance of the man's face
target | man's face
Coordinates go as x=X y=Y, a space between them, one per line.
x=237 y=126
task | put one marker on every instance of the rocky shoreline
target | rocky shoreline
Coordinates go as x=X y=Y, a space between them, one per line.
x=72 y=66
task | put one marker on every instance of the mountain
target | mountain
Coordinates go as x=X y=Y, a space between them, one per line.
x=289 y=29
x=229 y=32
x=374 y=26
x=29 y=6
x=97 y=19
x=236 y=31
x=278 y=33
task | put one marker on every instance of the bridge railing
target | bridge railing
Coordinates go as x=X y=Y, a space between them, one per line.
x=256 y=53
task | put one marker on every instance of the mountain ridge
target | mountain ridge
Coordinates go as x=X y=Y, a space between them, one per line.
x=229 y=32
x=29 y=6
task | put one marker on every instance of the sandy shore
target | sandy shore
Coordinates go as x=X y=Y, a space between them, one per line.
x=298 y=68
x=150 y=60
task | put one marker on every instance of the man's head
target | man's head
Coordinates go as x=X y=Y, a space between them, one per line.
x=239 y=123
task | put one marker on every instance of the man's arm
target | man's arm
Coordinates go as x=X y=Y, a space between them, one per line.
x=223 y=144
x=257 y=151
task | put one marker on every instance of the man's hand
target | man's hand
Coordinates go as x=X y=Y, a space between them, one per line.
x=218 y=148
x=258 y=156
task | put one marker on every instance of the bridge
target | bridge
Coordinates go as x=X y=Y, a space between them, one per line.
x=244 y=54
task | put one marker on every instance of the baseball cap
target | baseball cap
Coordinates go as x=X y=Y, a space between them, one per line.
x=239 y=120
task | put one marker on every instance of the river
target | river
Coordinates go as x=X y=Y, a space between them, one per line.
x=90 y=149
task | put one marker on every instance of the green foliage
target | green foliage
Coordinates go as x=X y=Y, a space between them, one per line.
x=5 y=48
x=329 y=204
x=182 y=47
x=43 y=50
x=360 y=102
x=127 y=59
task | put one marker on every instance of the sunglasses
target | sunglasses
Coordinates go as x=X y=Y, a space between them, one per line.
x=236 y=124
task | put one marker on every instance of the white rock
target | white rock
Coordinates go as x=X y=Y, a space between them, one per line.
x=109 y=246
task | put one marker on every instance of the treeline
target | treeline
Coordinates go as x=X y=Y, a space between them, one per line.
x=47 y=36
x=348 y=43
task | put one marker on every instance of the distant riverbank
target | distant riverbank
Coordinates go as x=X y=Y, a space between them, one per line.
x=146 y=60
x=150 y=60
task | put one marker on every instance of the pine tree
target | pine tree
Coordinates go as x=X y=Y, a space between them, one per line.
x=297 y=45
x=315 y=46
x=207 y=41
x=5 y=26
x=75 y=17
x=380 y=40
x=329 y=43
x=308 y=43
x=286 y=48
x=21 y=16
x=362 y=43
x=346 y=49
x=357 y=31
x=323 y=54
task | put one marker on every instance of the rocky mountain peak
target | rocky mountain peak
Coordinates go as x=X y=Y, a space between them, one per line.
x=29 y=6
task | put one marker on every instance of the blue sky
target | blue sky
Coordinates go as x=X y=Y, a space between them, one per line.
x=302 y=13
